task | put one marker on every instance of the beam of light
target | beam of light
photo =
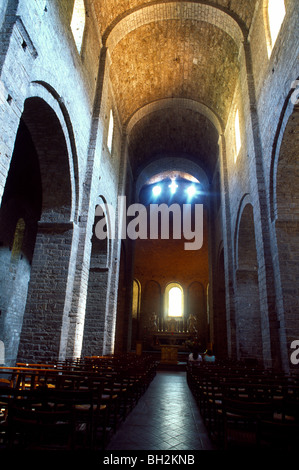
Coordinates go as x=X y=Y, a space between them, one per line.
x=191 y=191
x=173 y=186
x=156 y=190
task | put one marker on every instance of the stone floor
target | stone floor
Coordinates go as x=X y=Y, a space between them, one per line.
x=165 y=418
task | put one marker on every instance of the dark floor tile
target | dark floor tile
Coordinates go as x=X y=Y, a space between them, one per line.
x=165 y=418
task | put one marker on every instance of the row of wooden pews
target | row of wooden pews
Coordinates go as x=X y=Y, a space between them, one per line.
x=74 y=404
x=246 y=406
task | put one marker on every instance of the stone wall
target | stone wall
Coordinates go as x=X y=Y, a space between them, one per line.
x=68 y=124
x=58 y=298
x=261 y=96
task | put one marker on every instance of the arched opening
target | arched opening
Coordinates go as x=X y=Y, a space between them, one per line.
x=248 y=320
x=174 y=300
x=287 y=224
x=165 y=259
x=19 y=214
x=96 y=301
x=48 y=228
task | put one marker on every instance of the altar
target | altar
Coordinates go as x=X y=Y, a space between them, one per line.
x=170 y=344
x=164 y=338
x=169 y=354
x=170 y=337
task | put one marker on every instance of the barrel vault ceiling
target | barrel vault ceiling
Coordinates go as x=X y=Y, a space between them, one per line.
x=174 y=69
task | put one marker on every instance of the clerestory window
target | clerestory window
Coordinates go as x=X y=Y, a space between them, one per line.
x=78 y=23
x=110 y=131
x=275 y=16
x=237 y=134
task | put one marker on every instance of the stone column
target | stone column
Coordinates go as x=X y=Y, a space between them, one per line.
x=46 y=301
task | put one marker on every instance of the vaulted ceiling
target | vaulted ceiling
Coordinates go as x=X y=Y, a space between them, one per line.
x=174 y=69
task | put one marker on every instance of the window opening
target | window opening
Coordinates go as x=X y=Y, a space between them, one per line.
x=237 y=134
x=78 y=23
x=110 y=131
x=276 y=14
x=174 y=300
x=135 y=299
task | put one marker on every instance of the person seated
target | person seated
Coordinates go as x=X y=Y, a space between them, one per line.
x=195 y=356
x=209 y=356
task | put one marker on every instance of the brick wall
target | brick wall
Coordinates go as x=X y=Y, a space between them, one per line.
x=260 y=96
x=69 y=136
x=65 y=98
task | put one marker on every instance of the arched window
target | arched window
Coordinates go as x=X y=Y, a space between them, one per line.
x=237 y=134
x=110 y=131
x=136 y=299
x=275 y=16
x=78 y=23
x=174 y=300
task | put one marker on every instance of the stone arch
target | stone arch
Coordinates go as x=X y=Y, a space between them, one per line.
x=21 y=201
x=183 y=163
x=103 y=220
x=174 y=10
x=286 y=223
x=248 y=320
x=49 y=293
x=40 y=119
x=98 y=280
x=286 y=113
x=173 y=164
x=213 y=16
x=179 y=103
x=45 y=92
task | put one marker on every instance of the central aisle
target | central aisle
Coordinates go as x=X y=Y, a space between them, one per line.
x=165 y=418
